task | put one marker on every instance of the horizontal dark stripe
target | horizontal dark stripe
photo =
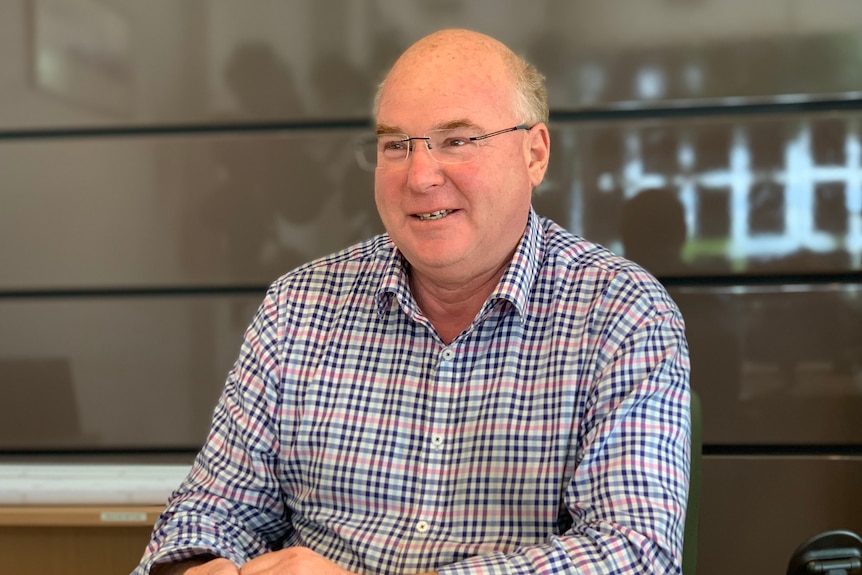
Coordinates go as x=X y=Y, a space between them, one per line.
x=728 y=107
x=766 y=450
x=184 y=129
x=111 y=455
x=186 y=291
x=852 y=277
x=85 y=293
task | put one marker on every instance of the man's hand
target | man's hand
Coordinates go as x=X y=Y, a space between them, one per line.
x=290 y=561
x=197 y=566
x=218 y=566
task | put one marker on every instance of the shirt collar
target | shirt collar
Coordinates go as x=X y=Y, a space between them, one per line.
x=394 y=283
x=515 y=285
x=518 y=279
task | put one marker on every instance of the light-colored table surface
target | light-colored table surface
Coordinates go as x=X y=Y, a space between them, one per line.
x=85 y=485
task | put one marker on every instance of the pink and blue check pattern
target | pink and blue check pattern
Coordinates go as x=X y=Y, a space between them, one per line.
x=552 y=436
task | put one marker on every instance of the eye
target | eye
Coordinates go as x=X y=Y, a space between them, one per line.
x=393 y=145
x=456 y=141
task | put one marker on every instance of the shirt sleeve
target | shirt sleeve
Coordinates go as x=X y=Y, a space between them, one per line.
x=230 y=504
x=627 y=496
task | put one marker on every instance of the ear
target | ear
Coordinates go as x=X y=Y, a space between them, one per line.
x=539 y=141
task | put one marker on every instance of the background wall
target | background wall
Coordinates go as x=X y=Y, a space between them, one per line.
x=162 y=162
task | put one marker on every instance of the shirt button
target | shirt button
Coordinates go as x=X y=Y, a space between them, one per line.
x=422 y=527
x=448 y=354
x=437 y=440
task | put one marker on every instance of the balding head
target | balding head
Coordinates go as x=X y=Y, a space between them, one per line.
x=487 y=59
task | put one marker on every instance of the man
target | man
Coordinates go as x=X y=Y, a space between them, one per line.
x=477 y=391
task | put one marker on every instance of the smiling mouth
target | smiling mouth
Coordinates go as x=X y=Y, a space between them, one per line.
x=439 y=214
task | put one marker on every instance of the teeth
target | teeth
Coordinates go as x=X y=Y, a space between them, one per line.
x=434 y=215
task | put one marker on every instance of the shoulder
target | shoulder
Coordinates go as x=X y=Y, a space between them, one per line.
x=347 y=270
x=592 y=271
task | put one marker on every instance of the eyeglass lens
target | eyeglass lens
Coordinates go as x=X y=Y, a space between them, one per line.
x=446 y=146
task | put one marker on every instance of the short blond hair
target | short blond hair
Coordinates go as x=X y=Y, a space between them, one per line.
x=531 y=94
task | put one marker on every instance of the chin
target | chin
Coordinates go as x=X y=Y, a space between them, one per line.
x=436 y=259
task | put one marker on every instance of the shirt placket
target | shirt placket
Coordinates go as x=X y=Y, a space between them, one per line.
x=437 y=445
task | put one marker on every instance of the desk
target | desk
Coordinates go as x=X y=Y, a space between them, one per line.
x=74 y=540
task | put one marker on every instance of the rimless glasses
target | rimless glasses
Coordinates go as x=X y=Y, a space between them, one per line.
x=446 y=146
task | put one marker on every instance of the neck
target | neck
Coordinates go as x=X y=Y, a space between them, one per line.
x=452 y=305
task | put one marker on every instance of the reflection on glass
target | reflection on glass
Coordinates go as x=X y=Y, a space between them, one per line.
x=788 y=67
x=830 y=207
x=829 y=142
x=777 y=363
x=755 y=193
x=766 y=208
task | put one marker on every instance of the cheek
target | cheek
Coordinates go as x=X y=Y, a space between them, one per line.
x=383 y=185
x=387 y=198
x=505 y=182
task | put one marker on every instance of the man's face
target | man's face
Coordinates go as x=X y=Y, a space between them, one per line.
x=484 y=203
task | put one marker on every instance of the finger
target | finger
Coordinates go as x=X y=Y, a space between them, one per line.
x=218 y=566
x=222 y=567
x=282 y=561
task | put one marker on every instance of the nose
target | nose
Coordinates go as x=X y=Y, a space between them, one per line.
x=423 y=171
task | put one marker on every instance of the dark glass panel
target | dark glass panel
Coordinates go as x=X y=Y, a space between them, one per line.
x=776 y=364
x=241 y=209
x=177 y=211
x=659 y=150
x=828 y=142
x=115 y=372
x=713 y=212
x=767 y=141
x=712 y=145
x=830 y=205
x=756 y=510
x=162 y=62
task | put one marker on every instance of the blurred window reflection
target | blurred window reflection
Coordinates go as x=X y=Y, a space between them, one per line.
x=754 y=191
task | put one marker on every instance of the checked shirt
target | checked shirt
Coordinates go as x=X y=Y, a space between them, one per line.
x=551 y=436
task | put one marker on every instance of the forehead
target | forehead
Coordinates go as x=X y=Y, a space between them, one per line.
x=437 y=86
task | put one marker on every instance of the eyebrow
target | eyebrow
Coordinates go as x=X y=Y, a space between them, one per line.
x=452 y=124
x=385 y=129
